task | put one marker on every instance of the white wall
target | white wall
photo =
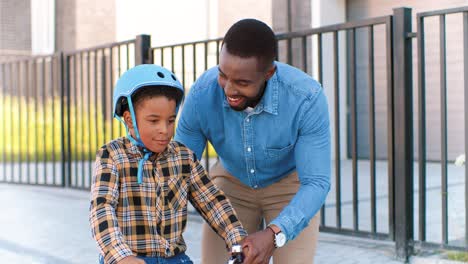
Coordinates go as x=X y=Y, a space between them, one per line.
x=327 y=13
x=42 y=26
x=168 y=22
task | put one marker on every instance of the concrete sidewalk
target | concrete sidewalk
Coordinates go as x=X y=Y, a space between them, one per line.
x=50 y=225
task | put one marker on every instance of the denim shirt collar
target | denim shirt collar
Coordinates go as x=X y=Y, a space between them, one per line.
x=269 y=101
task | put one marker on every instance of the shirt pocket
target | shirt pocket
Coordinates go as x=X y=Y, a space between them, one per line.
x=278 y=154
x=175 y=193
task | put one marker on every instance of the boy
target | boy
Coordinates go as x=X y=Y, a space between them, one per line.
x=142 y=182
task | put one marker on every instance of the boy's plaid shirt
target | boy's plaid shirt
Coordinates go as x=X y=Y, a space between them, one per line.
x=148 y=219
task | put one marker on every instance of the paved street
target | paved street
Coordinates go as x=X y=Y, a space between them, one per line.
x=81 y=174
x=49 y=225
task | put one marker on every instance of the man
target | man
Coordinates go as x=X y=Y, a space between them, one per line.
x=269 y=124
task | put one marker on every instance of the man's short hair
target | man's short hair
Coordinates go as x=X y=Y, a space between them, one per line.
x=251 y=38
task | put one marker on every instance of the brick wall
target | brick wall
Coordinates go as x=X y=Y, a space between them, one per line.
x=84 y=23
x=15 y=27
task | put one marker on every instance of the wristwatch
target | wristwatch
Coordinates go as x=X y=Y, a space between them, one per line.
x=280 y=237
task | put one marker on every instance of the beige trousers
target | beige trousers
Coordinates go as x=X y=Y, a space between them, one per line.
x=253 y=206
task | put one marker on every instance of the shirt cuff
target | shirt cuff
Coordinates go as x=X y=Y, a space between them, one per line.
x=235 y=236
x=117 y=253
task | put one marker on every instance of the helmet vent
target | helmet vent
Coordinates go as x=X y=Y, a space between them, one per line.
x=173 y=77
x=160 y=74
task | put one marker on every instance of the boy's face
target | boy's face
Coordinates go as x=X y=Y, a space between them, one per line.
x=155 y=120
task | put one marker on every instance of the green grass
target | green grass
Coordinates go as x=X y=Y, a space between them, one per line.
x=32 y=130
x=458 y=256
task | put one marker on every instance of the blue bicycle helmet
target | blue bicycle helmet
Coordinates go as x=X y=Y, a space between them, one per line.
x=140 y=76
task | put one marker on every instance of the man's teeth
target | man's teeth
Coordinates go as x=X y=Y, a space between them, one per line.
x=233 y=99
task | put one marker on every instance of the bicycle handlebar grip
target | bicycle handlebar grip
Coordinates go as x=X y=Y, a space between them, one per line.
x=236 y=255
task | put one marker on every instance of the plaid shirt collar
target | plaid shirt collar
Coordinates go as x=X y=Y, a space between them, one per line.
x=137 y=152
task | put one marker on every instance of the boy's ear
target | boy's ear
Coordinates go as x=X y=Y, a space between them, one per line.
x=127 y=117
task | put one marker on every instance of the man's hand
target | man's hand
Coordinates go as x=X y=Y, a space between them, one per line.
x=258 y=247
x=131 y=260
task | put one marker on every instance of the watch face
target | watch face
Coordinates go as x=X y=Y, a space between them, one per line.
x=280 y=239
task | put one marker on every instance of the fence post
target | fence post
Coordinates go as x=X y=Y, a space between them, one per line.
x=64 y=70
x=143 y=50
x=403 y=118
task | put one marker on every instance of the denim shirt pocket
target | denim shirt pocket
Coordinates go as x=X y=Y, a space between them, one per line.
x=278 y=153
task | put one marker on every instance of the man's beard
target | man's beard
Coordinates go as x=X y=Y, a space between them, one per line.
x=250 y=101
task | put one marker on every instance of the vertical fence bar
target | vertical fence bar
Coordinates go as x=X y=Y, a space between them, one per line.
x=96 y=100
x=44 y=107
x=143 y=50
x=103 y=95
x=10 y=126
x=81 y=113
x=371 y=85
x=207 y=152
x=12 y=129
x=390 y=127
x=320 y=79
x=465 y=68
x=26 y=96
x=111 y=84
x=403 y=132
x=162 y=57
x=54 y=69
x=217 y=51
x=75 y=119
x=172 y=59
x=319 y=58
x=304 y=54
x=183 y=66
x=65 y=129
x=336 y=79
x=68 y=155
x=422 y=130
x=89 y=123
x=354 y=139
x=20 y=132
x=194 y=61
x=35 y=89
x=2 y=101
x=61 y=80
x=119 y=73
x=443 y=126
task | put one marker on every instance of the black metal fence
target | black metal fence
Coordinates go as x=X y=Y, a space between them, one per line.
x=457 y=62
x=57 y=112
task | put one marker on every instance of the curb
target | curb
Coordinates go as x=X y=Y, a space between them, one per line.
x=422 y=260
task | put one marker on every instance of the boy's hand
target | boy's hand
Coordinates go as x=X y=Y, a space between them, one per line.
x=131 y=260
x=258 y=247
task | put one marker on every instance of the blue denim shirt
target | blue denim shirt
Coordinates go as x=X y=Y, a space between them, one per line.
x=288 y=130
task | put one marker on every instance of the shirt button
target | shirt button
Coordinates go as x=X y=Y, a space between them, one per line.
x=249 y=149
x=252 y=171
x=248 y=120
x=256 y=186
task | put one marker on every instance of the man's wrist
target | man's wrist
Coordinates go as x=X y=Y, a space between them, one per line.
x=274 y=228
